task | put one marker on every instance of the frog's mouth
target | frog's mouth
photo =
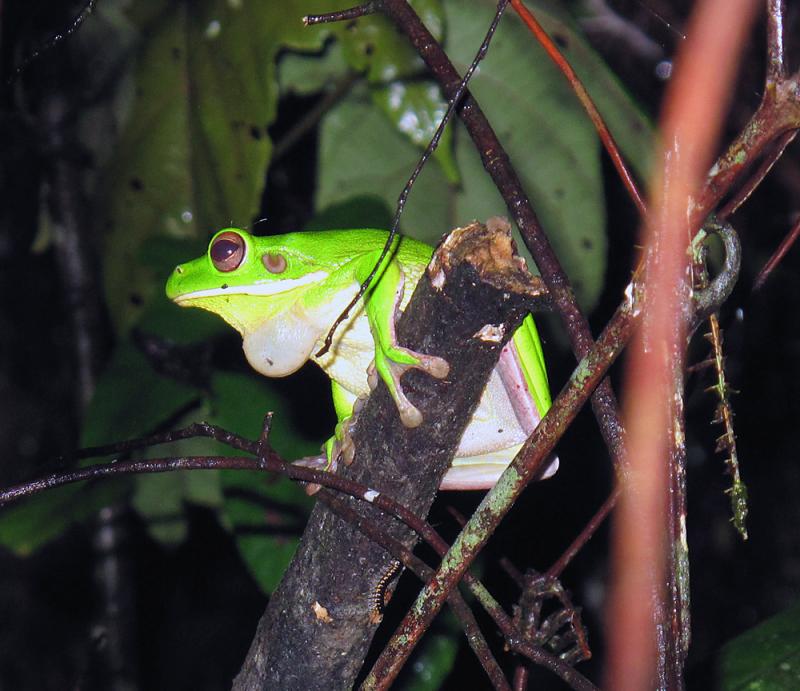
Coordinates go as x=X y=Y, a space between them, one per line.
x=276 y=287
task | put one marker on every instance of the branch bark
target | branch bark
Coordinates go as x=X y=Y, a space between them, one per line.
x=478 y=282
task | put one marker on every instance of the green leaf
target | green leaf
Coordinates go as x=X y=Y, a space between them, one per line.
x=432 y=664
x=366 y=212
x=193 y=155
x=372 y=45
x=35 y=521
x=361 y=154
x=416 y=109
x=765 y=658
x=132 y=399
x=305 y=74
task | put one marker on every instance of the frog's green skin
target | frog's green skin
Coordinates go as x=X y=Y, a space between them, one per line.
x=283 y=293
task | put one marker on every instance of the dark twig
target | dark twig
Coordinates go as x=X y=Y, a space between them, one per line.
x=196 y=429
x=454 y=100
x=152 y=465
x=54 y=40
x=341 y=15
x=536 y=654
x=779 y=254
x=777 y=114
x=773 y=152
x=585 y=535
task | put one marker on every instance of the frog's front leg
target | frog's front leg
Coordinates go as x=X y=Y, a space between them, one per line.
x=391 y=359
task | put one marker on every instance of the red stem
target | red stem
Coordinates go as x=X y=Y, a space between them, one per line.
x=586 y=100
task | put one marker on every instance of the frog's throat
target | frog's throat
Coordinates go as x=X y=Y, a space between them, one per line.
x=278 y=347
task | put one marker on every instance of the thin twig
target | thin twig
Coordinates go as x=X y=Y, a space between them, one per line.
x=151 y=465
x=585 y=535
x=341 y=15
x=455 y=99
x=776 y=258
x=776 y=58
x=196 y=429
x=54 y=40
x=774 y=152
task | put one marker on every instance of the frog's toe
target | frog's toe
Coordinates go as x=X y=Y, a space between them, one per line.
x=345 y=445
x=315 y=463
x=409 y=415
x=372 y=376
x=435 y=366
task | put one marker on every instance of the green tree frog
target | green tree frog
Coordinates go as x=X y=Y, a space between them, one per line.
x=283 y=293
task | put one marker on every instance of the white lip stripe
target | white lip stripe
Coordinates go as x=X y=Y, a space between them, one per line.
x=273 y=288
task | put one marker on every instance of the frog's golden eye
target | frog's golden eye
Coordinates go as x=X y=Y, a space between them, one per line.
x=227 y=251
x=274 y=263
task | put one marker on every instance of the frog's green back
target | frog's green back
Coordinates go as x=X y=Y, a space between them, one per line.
x=340 y=246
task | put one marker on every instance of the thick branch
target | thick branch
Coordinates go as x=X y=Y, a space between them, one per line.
x=335 y=565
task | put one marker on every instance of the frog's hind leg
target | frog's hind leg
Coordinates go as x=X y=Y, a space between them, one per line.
x=484 y=470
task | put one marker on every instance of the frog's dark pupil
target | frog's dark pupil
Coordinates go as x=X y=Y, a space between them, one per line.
x=223 y=249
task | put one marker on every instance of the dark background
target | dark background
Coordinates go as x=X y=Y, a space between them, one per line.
x=193 y=609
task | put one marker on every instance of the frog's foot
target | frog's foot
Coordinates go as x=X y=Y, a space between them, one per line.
x=343 y=445
x=391 y=366
x=391 y=372
x=392 y=360
x=315 y=463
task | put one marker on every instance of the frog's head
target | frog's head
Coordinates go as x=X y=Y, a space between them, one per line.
x=255 y=284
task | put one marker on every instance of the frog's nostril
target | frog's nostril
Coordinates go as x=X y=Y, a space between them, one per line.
x=178 y=269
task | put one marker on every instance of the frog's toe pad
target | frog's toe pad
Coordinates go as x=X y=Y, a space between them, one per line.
x=435 y=366
x=409 y=415
x=345 y=446
x=315 y=463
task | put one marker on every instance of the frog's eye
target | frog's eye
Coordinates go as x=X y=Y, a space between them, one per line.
x=227 y=251
x=274 y=263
